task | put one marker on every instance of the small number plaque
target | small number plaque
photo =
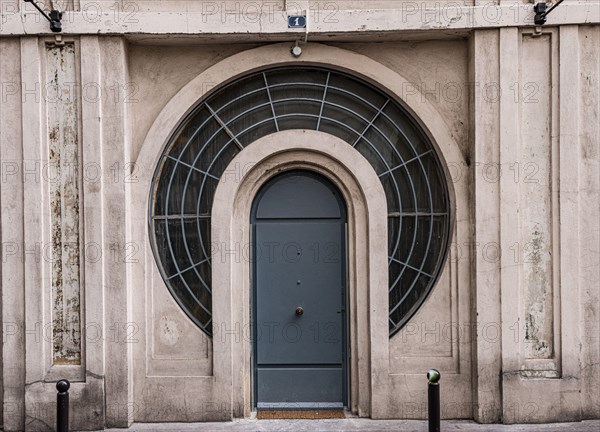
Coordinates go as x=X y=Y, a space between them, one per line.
x=296 y=21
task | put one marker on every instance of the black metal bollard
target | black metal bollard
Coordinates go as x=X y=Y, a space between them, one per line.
x=62 y=406
x=433 y=400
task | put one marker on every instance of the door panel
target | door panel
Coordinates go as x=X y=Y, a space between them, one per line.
x=299 y=264
x=299 y=294
x=291 y=391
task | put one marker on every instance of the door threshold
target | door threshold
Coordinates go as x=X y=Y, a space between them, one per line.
x=309 y=414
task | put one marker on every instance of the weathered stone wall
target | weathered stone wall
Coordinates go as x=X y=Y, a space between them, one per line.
x=513 y=322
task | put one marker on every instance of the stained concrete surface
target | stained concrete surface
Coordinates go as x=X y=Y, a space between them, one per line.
x=356 y=424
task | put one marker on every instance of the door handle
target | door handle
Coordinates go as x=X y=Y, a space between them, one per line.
x=299 y=311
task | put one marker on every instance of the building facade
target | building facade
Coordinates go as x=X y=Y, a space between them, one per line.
x=206 y=205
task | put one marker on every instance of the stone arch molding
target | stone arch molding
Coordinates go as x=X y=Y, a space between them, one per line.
x=367 y=270
x=369 y=383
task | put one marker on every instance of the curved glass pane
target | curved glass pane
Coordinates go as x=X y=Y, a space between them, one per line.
x=263 y=103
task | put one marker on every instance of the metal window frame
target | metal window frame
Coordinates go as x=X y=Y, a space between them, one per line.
x=236 y=138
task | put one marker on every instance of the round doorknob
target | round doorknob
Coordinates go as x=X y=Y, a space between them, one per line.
x=299 y=311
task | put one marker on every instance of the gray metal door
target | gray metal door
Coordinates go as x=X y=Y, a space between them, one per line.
x=299 y=222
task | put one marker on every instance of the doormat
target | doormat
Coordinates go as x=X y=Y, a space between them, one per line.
x=300 y=414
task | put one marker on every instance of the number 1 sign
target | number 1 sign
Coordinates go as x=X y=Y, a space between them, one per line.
x=296 y=21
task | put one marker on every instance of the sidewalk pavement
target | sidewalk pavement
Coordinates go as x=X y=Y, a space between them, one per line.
x=356 y=424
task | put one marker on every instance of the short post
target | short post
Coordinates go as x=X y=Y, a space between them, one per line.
x=62 y=406
x=433 y=400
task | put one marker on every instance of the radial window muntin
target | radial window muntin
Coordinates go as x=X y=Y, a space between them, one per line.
x=260 y=103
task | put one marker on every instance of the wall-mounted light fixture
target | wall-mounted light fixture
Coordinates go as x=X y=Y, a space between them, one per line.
x=54 y=18
x=541 y=13
x=296 y=50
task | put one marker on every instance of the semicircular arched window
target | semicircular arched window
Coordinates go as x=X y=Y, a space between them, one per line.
x=262 y=103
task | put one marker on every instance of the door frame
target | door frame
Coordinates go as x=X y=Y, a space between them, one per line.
x=366 y=204
x=346 y=348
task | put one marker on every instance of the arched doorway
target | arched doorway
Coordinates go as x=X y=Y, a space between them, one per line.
x=299 y=293
x=216 y=330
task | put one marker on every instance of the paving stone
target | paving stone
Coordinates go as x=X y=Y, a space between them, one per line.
x=356 y=424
